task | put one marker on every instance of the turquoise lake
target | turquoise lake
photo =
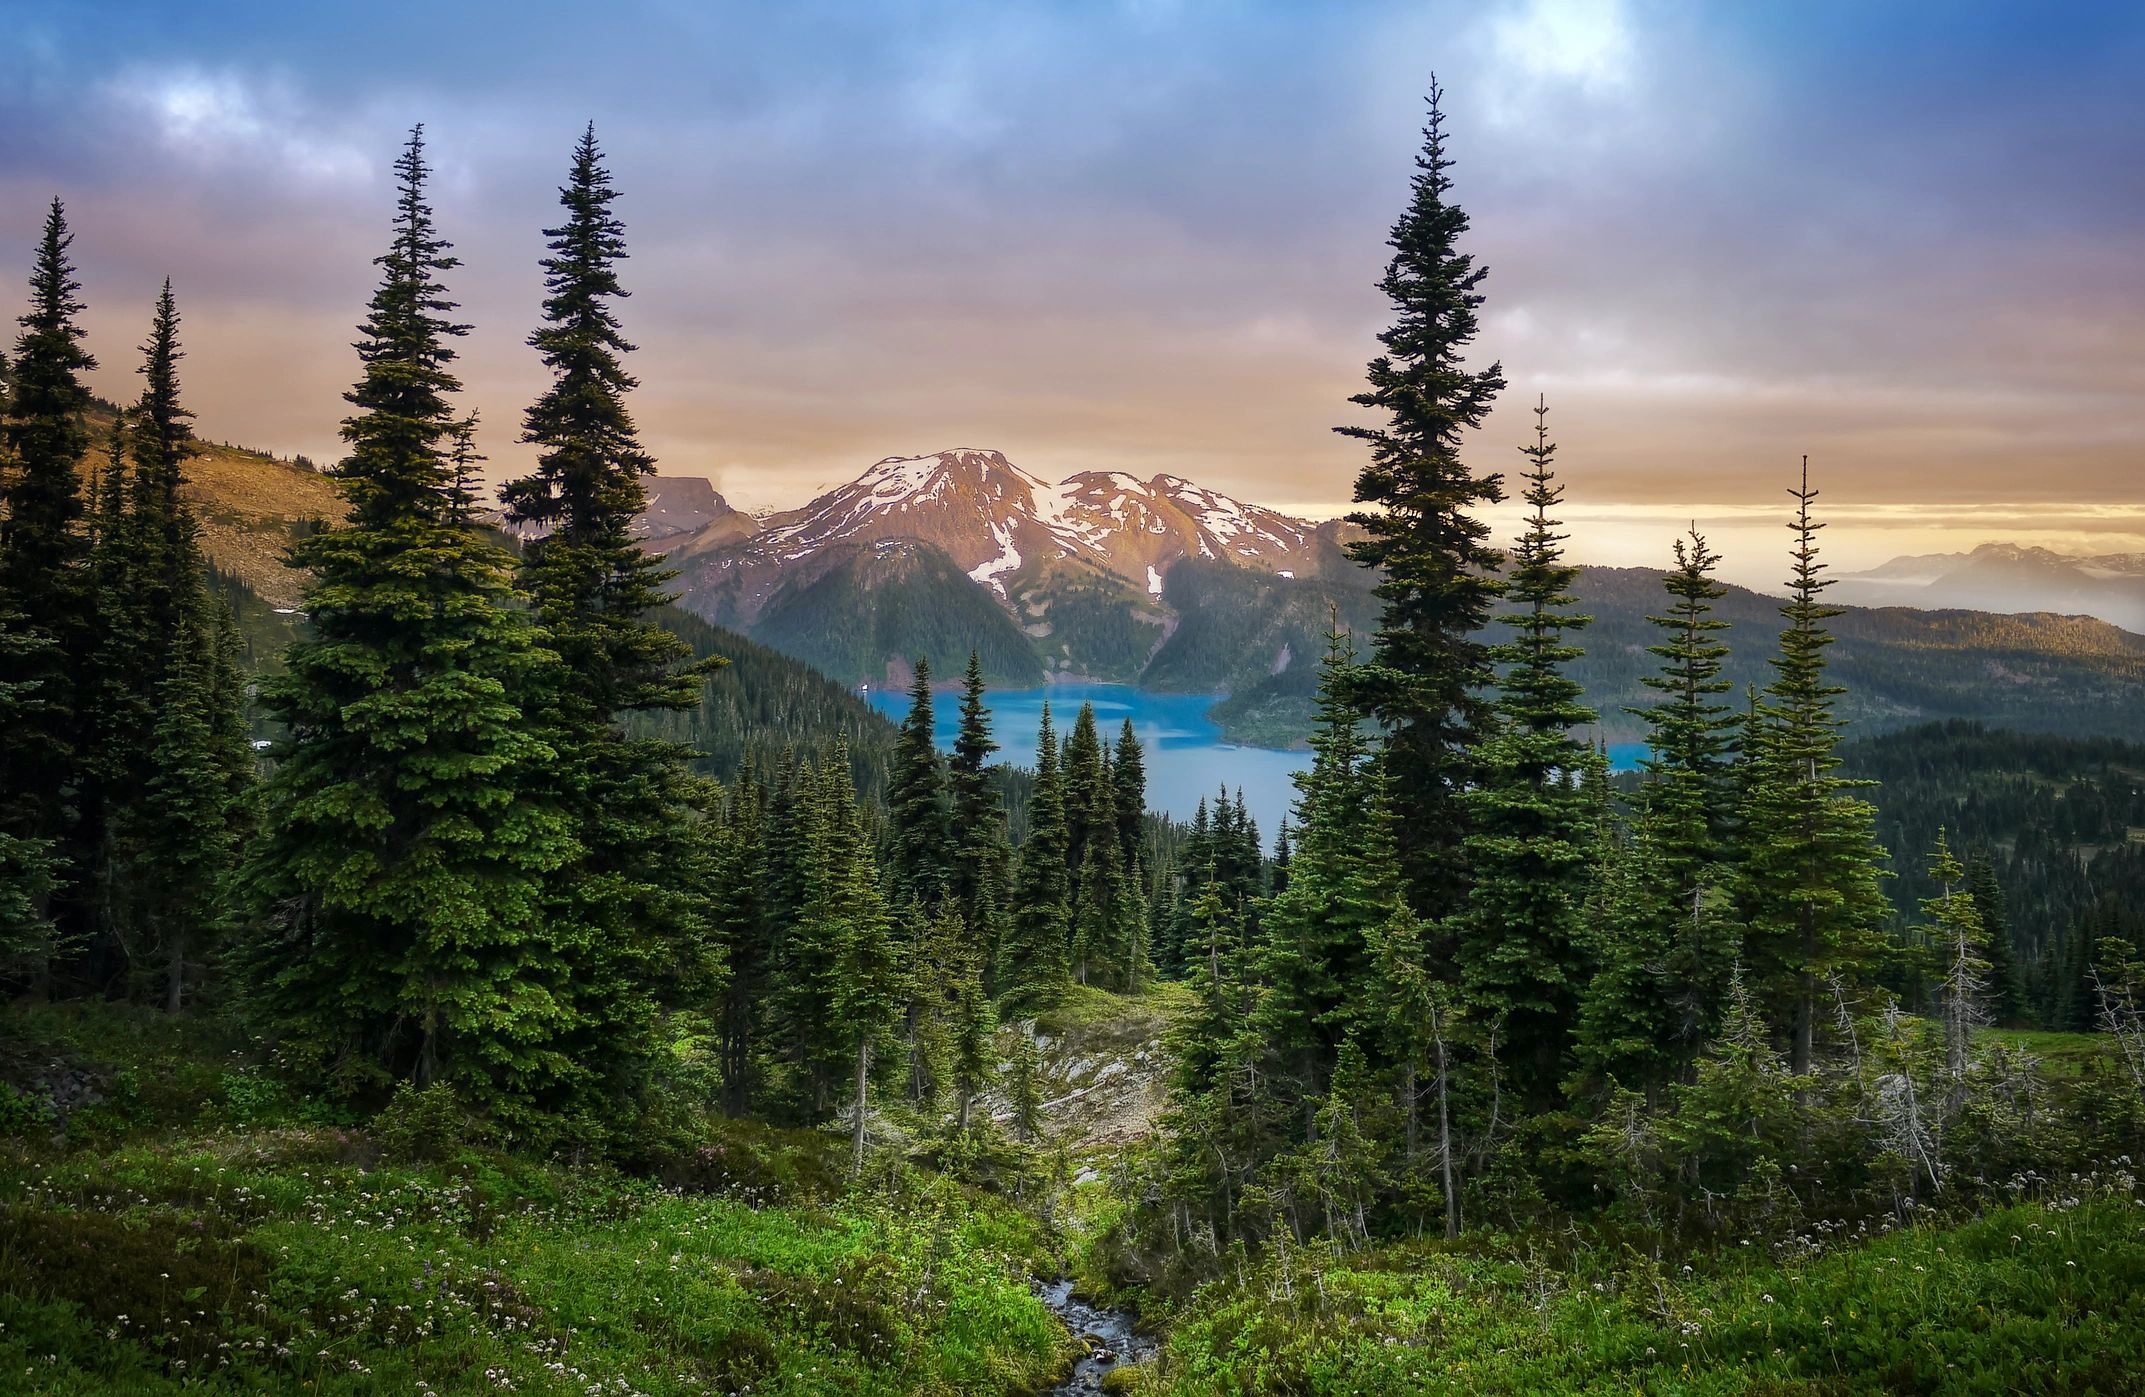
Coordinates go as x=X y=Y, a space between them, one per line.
x=1187 y=756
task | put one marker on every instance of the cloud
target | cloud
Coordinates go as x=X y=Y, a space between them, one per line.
x=1148 y=234
x=226 y=120
x=1583 y=43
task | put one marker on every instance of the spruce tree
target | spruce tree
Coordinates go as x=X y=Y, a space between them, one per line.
x=1435 y=561
x=45 y=585
x=1317 y=948
x=1669 y=938
x=1690 y=736
x=980 y=877
x=593 y=589
x=156 y=615
x=592 y=585
x=1128 y=778
x=1532 y=842
x=921 y=853
x=1033 y=970
x=2007 y=995
x=1808 y=878
x=1089 y=812
x=402 y=874
x=847 y=916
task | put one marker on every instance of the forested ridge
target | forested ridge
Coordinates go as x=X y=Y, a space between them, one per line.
x=571 y=998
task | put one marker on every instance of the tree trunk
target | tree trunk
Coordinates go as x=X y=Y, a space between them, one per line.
x=175 y=973
x=863 y=1089
x=1805 y=1024
x=1408 y=1093
x=1444 y=1144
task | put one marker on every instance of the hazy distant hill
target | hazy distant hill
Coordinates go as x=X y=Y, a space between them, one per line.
x=2008 y=577
x=2036 y=673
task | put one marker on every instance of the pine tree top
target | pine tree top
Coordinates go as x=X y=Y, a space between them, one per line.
x=1537 y=693
x=43 y=430
x=587 y=484
x=397 y=467
x=160 y=417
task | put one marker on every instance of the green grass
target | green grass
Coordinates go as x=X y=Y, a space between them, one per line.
x=2064 y=1056
x=274 y=1262
x=2041 y=1297
x=1084 y=1006
x=200 y=1229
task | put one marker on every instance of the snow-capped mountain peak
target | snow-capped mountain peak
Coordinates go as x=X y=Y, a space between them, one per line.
x=995 y=519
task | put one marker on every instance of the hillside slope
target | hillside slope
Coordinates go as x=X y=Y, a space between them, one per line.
x=2036 y=673
x=251 y=506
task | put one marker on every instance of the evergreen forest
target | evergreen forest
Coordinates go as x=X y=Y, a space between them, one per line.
x=484 y=976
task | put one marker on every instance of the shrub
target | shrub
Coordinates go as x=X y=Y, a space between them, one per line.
x=426 y=1123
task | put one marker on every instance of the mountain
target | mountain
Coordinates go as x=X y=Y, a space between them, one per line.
x=2010 y=578
x=996 y=522
x=681 y=506
x=251 y=505
x=1176 y=587
x=1901 y=666
x=1076 y=569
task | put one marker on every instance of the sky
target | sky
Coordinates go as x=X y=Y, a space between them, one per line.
x=1906 y=239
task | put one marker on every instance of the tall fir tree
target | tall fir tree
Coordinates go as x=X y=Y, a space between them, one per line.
x=847 y=915
x=981 y=873
x=1807 y=886
x=45 y=584
x=174 y=757
x=1669 y=938
x=1690 y=738
x=918 y=805
x=1316 y=956
x=593 y=589
x=156 y=615
x=1531 y=847
x=2007 y=995
x=1089 y=814
x=1128 y=780
x=1437 y=568
x=1033 y=964
x=401 y=879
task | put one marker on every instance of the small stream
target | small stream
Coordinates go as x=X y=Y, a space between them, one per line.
x=1108 y=1336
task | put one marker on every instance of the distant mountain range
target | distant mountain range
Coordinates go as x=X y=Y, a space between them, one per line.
x=2009 y=578
x=1174 y=586
x=1178 y=587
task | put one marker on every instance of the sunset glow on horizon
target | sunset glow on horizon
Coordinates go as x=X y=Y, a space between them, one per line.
x=1904 y=240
